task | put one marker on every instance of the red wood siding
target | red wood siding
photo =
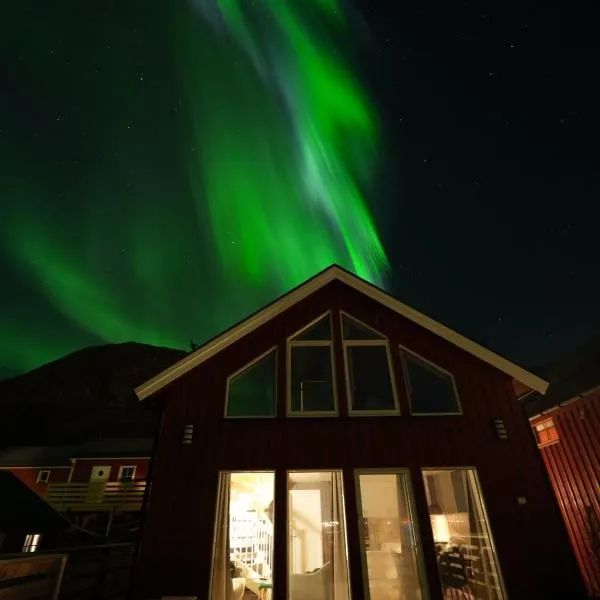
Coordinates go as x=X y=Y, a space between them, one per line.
x=82 y=469
x=28 y=475
x=573 y=464
x=531 y=540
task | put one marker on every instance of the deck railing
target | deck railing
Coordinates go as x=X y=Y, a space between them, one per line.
x=96 y=496
x=84 y=573
x=26 y=577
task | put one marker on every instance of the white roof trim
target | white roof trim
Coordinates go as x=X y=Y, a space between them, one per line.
x=253 y=322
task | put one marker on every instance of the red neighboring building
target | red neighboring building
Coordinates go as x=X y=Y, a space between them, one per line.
x=105 y=476
x=338 y=443
x=566 y=425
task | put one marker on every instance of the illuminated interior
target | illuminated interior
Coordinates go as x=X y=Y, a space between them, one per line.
x=251 y=514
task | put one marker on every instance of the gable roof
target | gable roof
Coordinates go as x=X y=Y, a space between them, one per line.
x=36 y=456
x=575 y=376
x=334 y=273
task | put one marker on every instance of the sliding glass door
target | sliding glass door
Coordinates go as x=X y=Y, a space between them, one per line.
x=243 y=538
x=317 y=549
x=391 y=557
x=466 y=557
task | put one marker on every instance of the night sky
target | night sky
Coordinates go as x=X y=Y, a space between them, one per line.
x=166 y=168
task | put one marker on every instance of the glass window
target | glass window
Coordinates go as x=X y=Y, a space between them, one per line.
x=311 y=379
x=467 y=562
x=318 y=331
x=352 y=330
x=311 y=388
x=127 y=473
x=546 y=432
x=252 y=392
x=43 y=476
x=430 y=389
x=368 y=378
x=389 y=542
x=32 y=542
x=243 y=538
x=317 y=550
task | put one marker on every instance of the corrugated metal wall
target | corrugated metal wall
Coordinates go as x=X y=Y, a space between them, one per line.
x=573 y=464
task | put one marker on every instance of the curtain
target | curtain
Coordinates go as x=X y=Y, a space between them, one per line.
x=340 y=553
x=221 y=583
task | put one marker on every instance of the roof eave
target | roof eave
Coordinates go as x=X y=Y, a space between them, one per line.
x=239 y=331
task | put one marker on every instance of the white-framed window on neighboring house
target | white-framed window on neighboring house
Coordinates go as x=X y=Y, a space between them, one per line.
x=431 y=389
x=546 y=432
x=32 y=541
x=127 y=473
x=43 y=476
x=311 y=387
x=368 y=370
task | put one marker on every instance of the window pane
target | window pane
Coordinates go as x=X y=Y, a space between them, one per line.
x=319 y=331
x=317 y=551
x=243 y=550
x=252 y=393
x=388 y=539
x=430 y=390
x=466 y=559
x=369 y=378
x=353 y=330
x=311 y=379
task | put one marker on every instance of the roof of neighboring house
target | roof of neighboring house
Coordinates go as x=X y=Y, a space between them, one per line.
x=115 y=448
x=59 y=456
x=36 y=456
x=334 y=273
x=576 y=375
x=20 y=506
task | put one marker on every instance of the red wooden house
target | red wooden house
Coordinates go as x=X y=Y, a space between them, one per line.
x=566 y=425
x=339 y=444
x=105 y=477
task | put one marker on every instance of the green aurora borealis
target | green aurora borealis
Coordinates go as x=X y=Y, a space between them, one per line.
x=161 y=225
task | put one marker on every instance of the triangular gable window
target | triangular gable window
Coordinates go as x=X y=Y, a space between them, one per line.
x=318 y=331
x=431 y=390
x=353 y=330
x=311 y=389
x=252 y=391
x=369 y=381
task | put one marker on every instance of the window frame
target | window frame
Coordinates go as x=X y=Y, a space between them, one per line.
x=412 y=509
x=289 y=344
x=346 y=525
x=218 y=499
x=385 y=342
x=245 y=368
x=404 y=351
x=43 y=480
x=32 y=542
x=481 y=501
x=546 y=424
x=120 y=473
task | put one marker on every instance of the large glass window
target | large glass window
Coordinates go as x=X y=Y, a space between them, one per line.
x=431 y=390
x=243 y=540
x=467 y=562
x=317 y=550
x=252 y=391
x=392 y=565
x=311 y=388
x=368 y=369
